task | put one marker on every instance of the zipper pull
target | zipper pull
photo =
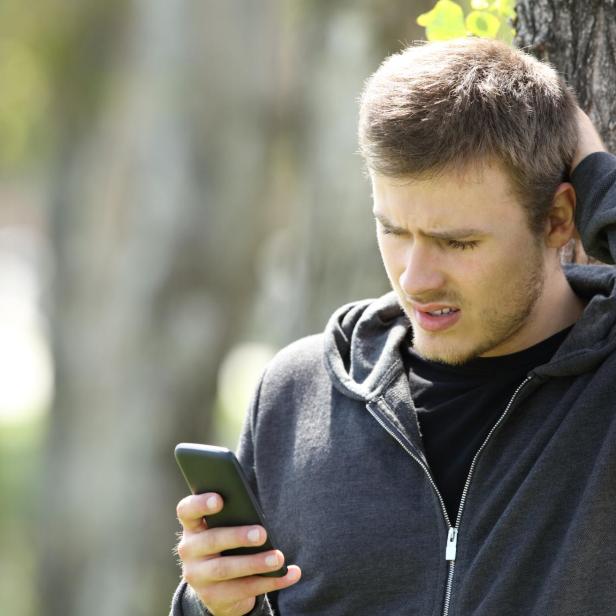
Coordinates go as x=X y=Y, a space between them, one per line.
x=452 y=542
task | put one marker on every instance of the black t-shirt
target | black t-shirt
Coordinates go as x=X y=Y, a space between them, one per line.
x=458 y=405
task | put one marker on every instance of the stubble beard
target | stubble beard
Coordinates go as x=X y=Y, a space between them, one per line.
x=498 y=326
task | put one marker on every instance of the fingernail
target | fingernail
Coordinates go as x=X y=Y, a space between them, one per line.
x=211 y=502
x=254 y=535
x=293 y=574
x=272 y=560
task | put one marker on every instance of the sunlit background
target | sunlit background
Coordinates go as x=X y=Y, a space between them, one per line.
x=180 y=196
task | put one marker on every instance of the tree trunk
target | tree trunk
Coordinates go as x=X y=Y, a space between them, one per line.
x=154 y=227
x=578 y=37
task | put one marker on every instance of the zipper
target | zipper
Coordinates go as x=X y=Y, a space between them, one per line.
x=452 y=533
x=417 y=459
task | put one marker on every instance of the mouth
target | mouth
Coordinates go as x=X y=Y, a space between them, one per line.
x=436 y=317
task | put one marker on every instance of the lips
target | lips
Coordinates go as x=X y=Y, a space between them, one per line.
x=436 y=317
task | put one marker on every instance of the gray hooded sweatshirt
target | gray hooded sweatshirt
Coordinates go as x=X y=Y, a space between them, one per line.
x=333 y=449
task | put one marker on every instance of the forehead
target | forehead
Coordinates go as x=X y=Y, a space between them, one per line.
x=477 y=195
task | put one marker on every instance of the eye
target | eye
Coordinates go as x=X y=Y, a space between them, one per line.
x=387 y=231
x=460 y=245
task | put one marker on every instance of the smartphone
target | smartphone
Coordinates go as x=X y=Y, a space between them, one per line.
x=207 y=468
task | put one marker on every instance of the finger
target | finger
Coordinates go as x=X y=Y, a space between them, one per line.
x=215 y=540
x=190 y=510
x=232 y=567
x=231 y=591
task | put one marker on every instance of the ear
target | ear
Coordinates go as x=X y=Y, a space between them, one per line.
x=560 y=225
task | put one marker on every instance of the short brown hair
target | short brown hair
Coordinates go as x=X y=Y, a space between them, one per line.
x=439 y=106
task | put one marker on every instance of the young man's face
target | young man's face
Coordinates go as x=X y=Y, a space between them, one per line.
x=461 y=258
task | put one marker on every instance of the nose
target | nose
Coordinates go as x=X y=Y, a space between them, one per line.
x=422 y=274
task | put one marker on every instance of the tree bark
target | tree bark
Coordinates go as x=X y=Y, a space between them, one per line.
x=578 y=37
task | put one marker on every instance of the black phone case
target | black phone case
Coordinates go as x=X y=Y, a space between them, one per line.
x=215 y=469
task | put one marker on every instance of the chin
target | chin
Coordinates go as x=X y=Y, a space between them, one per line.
x=444 y=353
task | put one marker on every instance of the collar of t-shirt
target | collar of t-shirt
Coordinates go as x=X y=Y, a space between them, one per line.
x=458 y=405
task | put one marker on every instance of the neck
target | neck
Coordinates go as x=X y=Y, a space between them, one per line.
x=557 y=308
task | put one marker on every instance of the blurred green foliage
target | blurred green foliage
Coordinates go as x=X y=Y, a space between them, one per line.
x=20 y=483
x=24 y=85
x=23 y=98
x=484 y=18
x=53 y=60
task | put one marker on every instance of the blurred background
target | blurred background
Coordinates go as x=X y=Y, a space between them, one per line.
x=180 y=197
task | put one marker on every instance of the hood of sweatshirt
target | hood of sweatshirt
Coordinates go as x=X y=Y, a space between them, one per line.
x=362 y=339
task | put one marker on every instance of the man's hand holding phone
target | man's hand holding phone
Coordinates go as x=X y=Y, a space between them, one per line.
x=227 y=557
x=227 y=585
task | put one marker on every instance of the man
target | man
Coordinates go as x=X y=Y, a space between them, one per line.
x=449 y=448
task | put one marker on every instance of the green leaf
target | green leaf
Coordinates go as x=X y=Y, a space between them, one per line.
x=506 y=8
x=445 y=21
x=483 y=24
x=506 y=34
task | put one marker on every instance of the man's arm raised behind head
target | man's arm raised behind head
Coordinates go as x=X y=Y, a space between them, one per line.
x=593 y=174
x=589 y=140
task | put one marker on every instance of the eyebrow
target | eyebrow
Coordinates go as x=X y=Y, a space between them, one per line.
x=444 y=234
